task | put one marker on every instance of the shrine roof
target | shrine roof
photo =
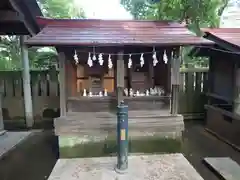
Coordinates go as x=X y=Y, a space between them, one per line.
x=224 y=37
x=91 y=32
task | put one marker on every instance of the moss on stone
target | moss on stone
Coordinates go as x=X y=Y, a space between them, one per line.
x=109 y=147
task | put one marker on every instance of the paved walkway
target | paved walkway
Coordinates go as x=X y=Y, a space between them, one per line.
x=141 y=167
x=199 y=144
x=10 y=139
x=36 y=158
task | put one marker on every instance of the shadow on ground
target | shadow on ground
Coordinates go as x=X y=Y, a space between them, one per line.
x=35 y=159
x=32 y=160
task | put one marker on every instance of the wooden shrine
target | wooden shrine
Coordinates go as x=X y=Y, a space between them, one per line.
x=222 y=110
x=104 y=62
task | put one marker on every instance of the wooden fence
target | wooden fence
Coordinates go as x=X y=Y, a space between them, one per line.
x=193 y=87
x=45 y=93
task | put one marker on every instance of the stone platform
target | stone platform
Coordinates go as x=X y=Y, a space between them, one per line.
x=147 y=167
x=103 y=124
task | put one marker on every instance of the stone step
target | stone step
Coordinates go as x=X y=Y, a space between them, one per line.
x=134 y=114
x=98 y=121
x=133 y=132
x=94 y=124
x=224 y=167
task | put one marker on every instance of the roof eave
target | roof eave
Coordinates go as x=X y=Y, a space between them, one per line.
x=30 y=10
x=222 y=43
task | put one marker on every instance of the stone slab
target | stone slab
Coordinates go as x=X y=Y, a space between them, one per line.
x=148 y=167
x=2 y=132
x=9 y=140
x=224 y=167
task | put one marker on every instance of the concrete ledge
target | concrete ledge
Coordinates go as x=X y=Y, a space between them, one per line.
x=154 y=167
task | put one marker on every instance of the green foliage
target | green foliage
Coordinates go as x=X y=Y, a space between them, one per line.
x=194 y=13
x=10 y=55
x=61 y=9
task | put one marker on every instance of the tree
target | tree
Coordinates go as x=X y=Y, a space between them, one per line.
x=195 y=13
x=10 y=56
x=60 y=9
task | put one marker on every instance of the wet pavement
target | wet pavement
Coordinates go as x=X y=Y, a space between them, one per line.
x=35 y=158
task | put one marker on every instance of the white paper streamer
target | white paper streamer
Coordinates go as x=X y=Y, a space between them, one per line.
x=110 y=64
x=75 y=57
x=89 y=62
x=100 y=59
x=130 y=61
x=165 y=58
x=141 y=60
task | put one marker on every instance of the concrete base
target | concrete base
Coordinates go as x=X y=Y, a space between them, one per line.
x=77 y=146
x=2 y=132
x=154 y=167
x=9 y=140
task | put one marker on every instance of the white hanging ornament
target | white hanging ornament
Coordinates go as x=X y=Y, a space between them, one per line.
x=94 y=58
x=100 y=59
x=89 y=62
x=141 y=60
x=155 y=61
x=75 y=57
x=165 y=58
x=130 y=61
x=110 y=64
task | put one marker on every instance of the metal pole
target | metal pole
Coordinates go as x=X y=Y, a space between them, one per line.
x=122 y=138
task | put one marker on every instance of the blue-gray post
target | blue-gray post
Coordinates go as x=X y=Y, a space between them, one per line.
x=122 y=138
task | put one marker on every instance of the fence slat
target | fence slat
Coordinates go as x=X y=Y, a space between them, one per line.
x=9 y=86
x=198 y=81
x=205 y=82
x=43 y=83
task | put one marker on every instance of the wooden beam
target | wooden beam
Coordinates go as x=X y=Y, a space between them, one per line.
x=26 y=83
x=175 y=80
x=236 y=89
x=120 y=77
x=28 y=26
x=10 y=16
x=1 y=114
x=150 y=74
x=62 y=77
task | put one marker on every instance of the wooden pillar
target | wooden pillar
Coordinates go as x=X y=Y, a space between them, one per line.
x=62 y=78
x=120 y=77
x=2 y=131
x=169 y=72
x=175 y=81
x=150 y=73
x=26 y=84
x=236 y=88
